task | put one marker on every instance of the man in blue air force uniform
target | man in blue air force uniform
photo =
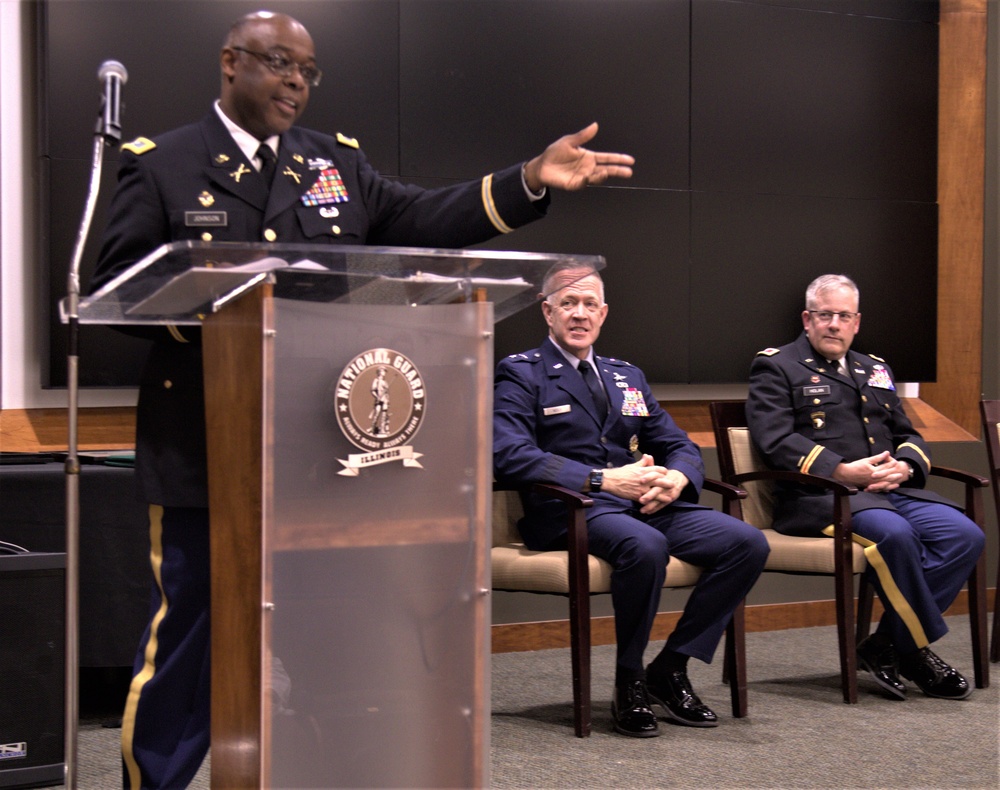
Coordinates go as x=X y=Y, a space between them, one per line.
x=816 y=406
x=551 y=426
x=246 y=173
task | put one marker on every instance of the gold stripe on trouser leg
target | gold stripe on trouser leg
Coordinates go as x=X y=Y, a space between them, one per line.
x=892 y=592
x=149 y=666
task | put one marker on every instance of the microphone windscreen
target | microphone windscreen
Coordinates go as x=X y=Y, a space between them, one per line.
x=112 y=68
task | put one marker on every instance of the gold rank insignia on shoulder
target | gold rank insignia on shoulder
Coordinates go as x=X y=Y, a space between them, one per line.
x=876 y=358
x=139 y=146
x=350 y=142
x=768 y=352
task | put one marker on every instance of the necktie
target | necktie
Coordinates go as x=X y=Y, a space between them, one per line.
x=267 y=164
x=596 y=391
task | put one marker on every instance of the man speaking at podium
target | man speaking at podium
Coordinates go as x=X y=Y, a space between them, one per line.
x=247 y=173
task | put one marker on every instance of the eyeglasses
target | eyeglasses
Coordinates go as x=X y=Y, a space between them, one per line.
x=284 y=66
x=825 y=316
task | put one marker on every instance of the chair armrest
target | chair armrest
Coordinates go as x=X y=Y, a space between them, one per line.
x=966 y=478
x=573 y=499
x=973 y=495
x=726 y=490
x=840 y=489
x=731 y=496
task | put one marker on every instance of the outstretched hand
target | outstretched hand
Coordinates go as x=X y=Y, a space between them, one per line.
x=566 y=164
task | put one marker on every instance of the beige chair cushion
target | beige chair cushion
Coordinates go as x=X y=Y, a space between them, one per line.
x=516 y=568
x=788 y=552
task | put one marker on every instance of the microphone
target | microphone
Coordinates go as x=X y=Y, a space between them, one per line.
x=109 y=124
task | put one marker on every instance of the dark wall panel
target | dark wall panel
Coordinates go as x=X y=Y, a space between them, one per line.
x=749 y=290
x=812 y=103
x=490 y=82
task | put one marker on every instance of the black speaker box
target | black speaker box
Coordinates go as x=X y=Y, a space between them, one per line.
x=32 y=669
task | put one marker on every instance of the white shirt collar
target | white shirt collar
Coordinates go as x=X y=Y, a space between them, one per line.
x=246 y=142
x=574 y=361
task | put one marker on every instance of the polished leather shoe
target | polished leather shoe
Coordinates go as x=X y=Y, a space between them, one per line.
x=672 y=691
x=935 y=677
x=631 y=711
x=878 y=657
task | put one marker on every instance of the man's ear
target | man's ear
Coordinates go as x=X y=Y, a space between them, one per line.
x=227 y=61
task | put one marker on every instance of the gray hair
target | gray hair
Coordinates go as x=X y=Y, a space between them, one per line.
x=556 y=277
x=829 y=282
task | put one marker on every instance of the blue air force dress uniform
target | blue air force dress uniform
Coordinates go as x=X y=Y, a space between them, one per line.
x=806 y=416
x=546 y=428
x=196 y=183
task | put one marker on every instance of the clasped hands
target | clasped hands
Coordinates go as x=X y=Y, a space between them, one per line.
x=877 y=474
x=652 y=486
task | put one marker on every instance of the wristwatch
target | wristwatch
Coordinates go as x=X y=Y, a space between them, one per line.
x=595 y=480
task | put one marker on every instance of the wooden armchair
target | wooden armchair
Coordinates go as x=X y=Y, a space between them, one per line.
x=577 y=575
x=990 y=410
x=841 y=558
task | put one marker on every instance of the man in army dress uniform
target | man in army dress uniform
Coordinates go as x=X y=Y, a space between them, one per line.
x=247 y=173
x=563 y=415
x=816 y=406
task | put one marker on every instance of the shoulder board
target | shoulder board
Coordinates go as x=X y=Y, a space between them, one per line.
x=769 y=352
x=531 y=357
x=615 y=361
x=139 y=145
x=879 y=359
x=350 y=142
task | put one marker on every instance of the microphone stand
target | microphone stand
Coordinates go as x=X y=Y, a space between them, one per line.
x=106 y=134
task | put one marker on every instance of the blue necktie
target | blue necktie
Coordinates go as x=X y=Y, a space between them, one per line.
x=596 y=390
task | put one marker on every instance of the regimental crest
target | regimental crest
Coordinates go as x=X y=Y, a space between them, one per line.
x=379 y=401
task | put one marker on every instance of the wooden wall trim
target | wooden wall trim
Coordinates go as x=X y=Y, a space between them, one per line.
x=550 y=634
x=47 y=431
x=961 y=183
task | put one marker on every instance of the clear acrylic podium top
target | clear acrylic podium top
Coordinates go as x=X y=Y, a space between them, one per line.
x=182 y=282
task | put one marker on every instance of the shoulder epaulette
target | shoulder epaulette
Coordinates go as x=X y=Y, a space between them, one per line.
x=350 y=142
x=877 y=359
x=769 y=352
x=524 y=357
x=139 y=146
x=615 y=361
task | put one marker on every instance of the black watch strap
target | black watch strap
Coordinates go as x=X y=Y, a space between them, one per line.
x=596 y=480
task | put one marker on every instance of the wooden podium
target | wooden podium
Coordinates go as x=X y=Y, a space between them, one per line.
x=348 y=404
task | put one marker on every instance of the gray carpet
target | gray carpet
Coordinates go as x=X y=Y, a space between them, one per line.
x=798 y=735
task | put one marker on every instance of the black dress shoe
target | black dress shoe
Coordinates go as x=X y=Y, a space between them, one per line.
x=878 y=657
x=934 y=676
x=672 y=691
x=631 y=711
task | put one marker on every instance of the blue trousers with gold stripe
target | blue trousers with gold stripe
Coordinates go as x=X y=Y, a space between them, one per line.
x=165 y=727
x=919 y=557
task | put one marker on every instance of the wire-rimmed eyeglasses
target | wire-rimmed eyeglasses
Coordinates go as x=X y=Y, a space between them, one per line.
x=283 y=66
x=825 y=316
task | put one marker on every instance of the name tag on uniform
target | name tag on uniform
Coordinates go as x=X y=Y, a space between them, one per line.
x=205 y=219
x=822 y=390
x=556 y=410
